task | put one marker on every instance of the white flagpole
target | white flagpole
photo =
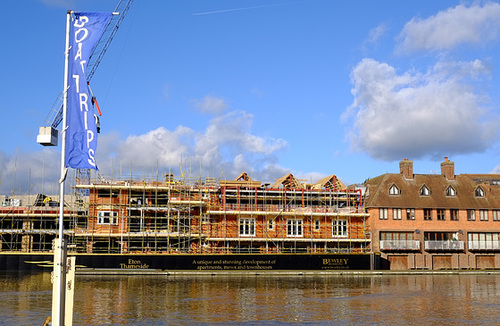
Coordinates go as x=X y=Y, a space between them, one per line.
x=59 y=295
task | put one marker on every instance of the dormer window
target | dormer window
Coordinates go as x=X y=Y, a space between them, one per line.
x=424 y=191
x=393 y=190
x=479 y=192
x=450 y=191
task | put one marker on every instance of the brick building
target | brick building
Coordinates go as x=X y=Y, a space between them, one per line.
x=228 y=216
x=431 y=221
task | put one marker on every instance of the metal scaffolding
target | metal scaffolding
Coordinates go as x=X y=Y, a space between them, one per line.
x=192 y=215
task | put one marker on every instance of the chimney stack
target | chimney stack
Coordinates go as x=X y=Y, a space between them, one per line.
x=448 y=169
x=406 y=168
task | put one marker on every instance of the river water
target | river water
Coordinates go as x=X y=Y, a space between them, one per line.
x=260 y=300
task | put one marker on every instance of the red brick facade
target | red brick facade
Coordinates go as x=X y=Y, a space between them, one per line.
x=427 y=221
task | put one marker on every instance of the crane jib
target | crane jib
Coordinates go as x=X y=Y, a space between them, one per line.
x=48 y=136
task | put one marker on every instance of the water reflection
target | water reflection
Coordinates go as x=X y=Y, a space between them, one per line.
x=268 y=300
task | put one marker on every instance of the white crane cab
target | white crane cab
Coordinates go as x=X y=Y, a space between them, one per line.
x=47 y=136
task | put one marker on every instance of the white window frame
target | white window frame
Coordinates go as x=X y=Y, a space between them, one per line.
x=496 y=215
x=451 y=192
x=394 y=190
x=427 y=214
x=483 y=214
x=424 y=191
x=107 y=218
x=441 y=214
x=382 y=213
x=471 y=215
x=247 y=226
x=479 y=192
x=294 y=228
x=396 y=213
x=340 y=228
x=410 y=213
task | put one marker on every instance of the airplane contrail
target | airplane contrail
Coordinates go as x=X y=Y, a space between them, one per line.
x=239 y=9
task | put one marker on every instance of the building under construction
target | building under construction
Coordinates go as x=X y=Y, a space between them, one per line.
x=192 y=216
x=394 y=221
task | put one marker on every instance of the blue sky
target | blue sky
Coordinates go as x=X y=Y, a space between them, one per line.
x=314 y=88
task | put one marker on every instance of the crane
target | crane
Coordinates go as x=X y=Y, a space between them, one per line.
x=48 y=135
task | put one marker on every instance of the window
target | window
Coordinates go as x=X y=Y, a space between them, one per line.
x=496 y=215
x=450 y=191
x=404 y=236
x=441 y=215
x=247 y=226
x=293 y=228
x=483 y=215
x=270 y=224
x=453 y=214
x=107 y=218
x=471 y=215
x=339 y=228
x=317 y=224
x=483 y=240
x=424 y=191
x=427 y=214
x=396 y=213
x=382 y=213
x=103 y=193
x=393 y=190
x=479 y=192
x=441 y=236
x=410 y=213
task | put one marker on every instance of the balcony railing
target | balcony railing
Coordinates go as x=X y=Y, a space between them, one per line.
x=444 y=245
x=399 y=245
x=484 y=245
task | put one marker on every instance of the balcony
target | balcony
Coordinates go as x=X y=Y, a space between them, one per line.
x=444 y=245
x=484 y=245
x=399 y=245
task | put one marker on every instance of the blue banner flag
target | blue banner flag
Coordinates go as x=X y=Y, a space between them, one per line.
x=81 y=134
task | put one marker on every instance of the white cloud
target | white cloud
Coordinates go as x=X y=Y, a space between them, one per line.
x=270 y=172
x=211 y=104
x=376 y=33
x=226 y=146
x=30 y=173
x=450 y=28
x=233 y=131
x=224 y=149
x=417 y=114
x=157 y=147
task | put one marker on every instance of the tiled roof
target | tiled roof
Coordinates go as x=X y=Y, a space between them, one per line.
x=465 y=186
